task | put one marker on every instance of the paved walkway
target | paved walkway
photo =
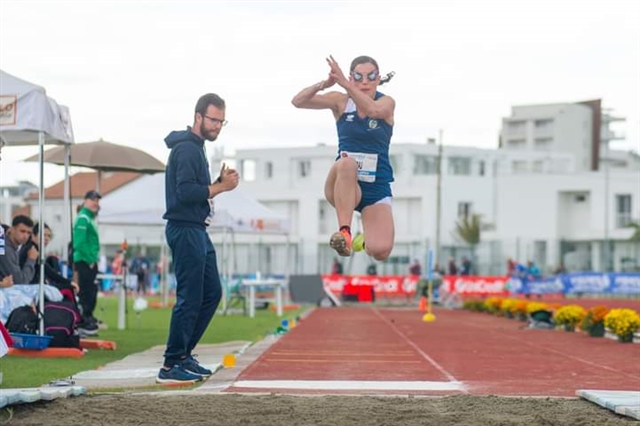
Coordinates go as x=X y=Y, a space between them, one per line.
x=140 y=369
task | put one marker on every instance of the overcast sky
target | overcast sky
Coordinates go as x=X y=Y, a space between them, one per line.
x=131 y=71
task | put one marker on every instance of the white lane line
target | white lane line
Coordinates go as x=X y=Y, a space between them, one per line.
x=350 y=385
x=417 y=349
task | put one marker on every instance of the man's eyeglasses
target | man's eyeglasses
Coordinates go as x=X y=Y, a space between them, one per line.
x=222 y=123
x=372 y=76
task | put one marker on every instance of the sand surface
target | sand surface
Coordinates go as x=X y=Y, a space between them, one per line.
x=280 y=410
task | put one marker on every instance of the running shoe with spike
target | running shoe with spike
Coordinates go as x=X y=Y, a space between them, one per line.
x=341 y=242
x=358 y=242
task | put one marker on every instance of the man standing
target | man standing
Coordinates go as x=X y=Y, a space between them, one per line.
x=86 y=253
x=189 y=197
x=17 y=236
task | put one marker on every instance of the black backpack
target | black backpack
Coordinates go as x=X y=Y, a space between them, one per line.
x=61 y=321
x=22 y=320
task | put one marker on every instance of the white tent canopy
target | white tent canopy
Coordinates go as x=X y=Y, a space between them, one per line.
x=29 y=117
x=142 y=202
x=26 y=110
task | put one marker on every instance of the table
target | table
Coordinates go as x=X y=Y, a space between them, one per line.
x=121 y=289
x=274 y=284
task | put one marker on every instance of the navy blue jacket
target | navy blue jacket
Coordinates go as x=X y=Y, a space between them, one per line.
x=187 y=179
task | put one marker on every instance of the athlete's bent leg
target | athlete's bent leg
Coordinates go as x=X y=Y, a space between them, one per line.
x=379 y=232
x=344 y=194
x=342 y=190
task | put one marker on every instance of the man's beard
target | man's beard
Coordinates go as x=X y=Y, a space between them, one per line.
x=207 y=135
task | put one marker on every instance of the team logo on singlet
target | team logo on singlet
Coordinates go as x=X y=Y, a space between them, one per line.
x=373 y=124
x=349 y=118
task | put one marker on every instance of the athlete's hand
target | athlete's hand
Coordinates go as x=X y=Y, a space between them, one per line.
x=330 y=81
x=336 y=72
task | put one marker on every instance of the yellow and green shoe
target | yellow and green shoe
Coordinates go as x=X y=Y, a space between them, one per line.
x=358 y=242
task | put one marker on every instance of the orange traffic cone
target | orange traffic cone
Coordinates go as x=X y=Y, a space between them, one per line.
x=422 y=304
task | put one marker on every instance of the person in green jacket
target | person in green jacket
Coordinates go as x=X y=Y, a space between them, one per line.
x=86 y=253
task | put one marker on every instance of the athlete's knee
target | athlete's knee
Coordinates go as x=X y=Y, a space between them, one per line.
x=347 y=165
x=379 y=252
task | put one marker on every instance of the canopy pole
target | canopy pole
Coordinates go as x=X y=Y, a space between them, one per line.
x=41 y=233
x=68 y=227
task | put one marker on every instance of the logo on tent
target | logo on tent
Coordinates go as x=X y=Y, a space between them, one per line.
x=8 y=110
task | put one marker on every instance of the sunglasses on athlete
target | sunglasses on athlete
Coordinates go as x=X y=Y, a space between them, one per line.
x=372 y=76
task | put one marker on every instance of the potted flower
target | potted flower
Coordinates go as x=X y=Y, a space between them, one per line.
x=539 y=312
x=520 y=310
x=507 y=307
x=593 y=321
x=569 y=316
x=623 y=323
x=492 y=305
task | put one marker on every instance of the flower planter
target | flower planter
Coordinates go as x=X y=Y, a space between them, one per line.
x=626 y=338
x=596 y=330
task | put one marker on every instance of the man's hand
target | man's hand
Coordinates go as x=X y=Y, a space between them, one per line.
x=32 y=253
x=229 y=178
x=6 y=281
x=75 y=286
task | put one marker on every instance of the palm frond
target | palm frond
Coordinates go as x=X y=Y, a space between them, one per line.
x=636 y=233
x=468 y=229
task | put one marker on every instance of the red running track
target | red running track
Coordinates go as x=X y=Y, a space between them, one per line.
x=488 y=354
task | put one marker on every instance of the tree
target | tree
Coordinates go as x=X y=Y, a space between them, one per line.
x=636 y=231
x=468 y=230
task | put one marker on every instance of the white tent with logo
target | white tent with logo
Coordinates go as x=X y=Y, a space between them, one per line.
x=29 y=117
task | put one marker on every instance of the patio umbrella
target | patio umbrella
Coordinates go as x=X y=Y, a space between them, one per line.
x=104 y=156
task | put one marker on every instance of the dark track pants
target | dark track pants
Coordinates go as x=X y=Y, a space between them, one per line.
x=88 y=289
x=198 y=290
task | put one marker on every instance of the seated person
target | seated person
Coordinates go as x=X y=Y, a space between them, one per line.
x=24 y=295
x=17 y=235
x=51 y=270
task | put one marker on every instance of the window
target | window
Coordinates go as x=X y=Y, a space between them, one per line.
x=519 y=166
x=537 y=166
x=268 y=170
x=516 y=143
x=304 y=168
x=248 y=170
x=425 y=165
x=460 y=166
x=464 y=209
x=623 y=210
x=516 y=127
x=544 y=125
x=543 y=143
x=322 y=217
x=396 y=163
x=481 y=168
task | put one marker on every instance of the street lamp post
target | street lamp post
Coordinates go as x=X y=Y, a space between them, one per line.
x=606 y=248
x=438 y=198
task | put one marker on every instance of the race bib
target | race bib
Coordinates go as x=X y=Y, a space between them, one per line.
x=209 y=220
x=367 y=164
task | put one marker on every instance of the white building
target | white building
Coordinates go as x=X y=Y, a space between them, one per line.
x=559 y=196
x=543 y=196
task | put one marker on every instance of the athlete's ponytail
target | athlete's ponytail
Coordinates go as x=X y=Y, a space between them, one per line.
x=387 y=78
